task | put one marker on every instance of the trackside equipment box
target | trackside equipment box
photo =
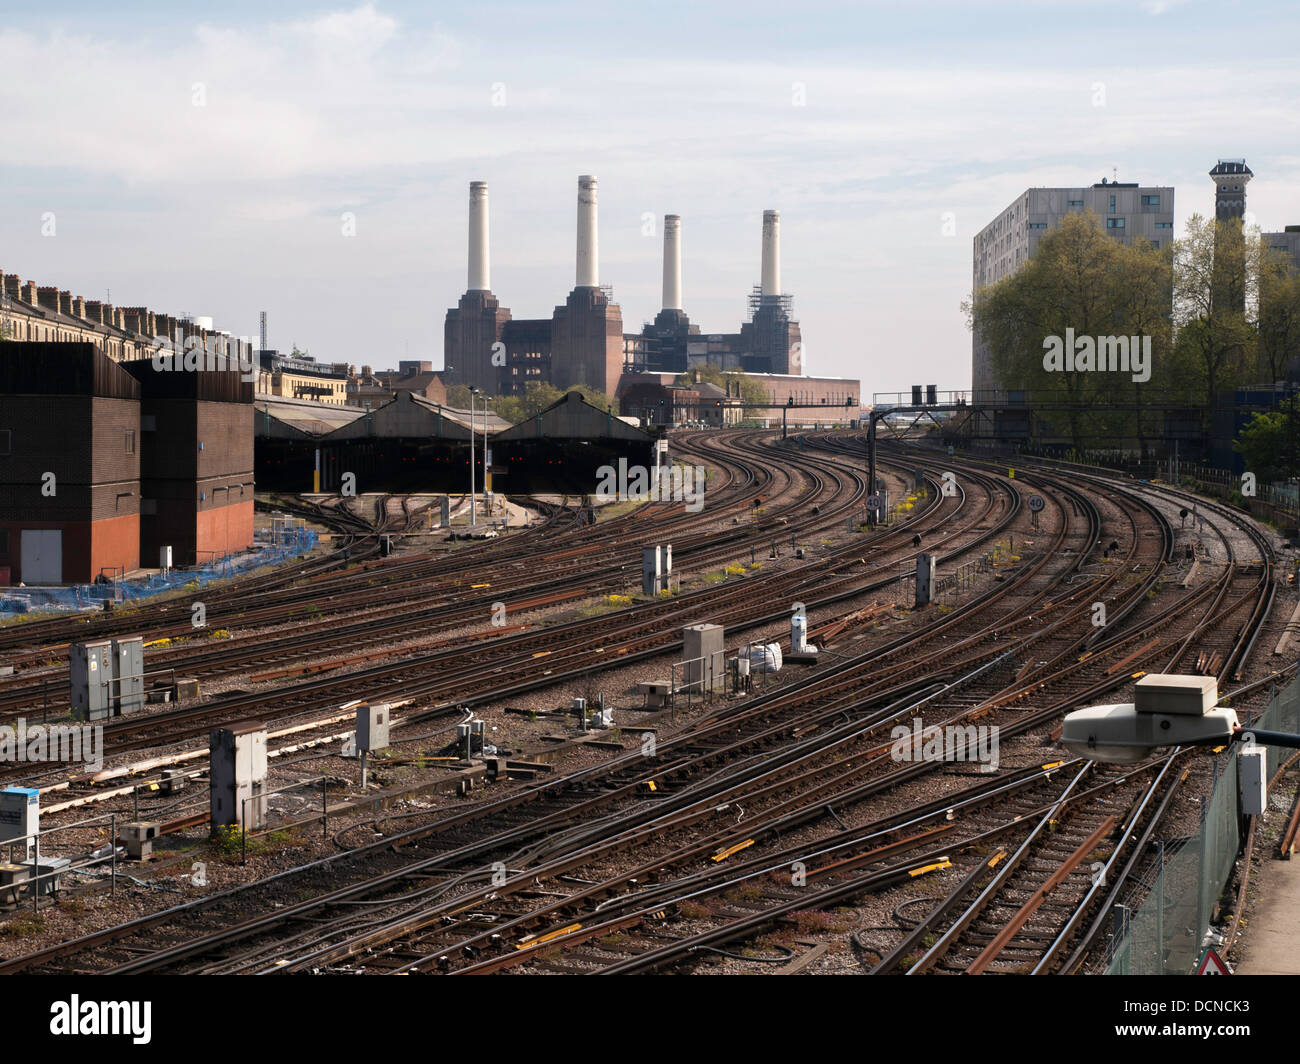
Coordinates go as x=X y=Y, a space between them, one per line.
x=1190 y=696
x=91 y=679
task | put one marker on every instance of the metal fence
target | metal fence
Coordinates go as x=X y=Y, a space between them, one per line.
x=1282 y=496
x=281 y=545
x=1165 y=934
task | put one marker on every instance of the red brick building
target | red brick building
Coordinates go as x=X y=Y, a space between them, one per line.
x=70 y=445
x=196 y=473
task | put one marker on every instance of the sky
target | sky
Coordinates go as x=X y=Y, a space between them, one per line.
x=313 y=160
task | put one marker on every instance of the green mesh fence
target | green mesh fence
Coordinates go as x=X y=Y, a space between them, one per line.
x=1166 y=932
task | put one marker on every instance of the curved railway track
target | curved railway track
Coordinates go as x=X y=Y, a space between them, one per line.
x=653 y=862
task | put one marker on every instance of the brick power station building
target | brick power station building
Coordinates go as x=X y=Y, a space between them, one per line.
x=583 y=342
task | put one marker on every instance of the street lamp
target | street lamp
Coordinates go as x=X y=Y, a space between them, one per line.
x=473 y=482
x=1169 y=711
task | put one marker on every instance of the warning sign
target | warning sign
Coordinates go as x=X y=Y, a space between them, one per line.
x=1211 y=964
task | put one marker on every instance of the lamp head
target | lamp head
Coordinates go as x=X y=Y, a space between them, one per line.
x=1120 y=734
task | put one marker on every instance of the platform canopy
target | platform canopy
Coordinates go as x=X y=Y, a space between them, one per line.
x=573 y=418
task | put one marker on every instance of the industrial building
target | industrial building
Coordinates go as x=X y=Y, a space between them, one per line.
x=407 y=444
x=106 y=463
x=70 y=444
x=562 y=448
x=196 y=465
x=656 y=399
x=413 y=445
x=582 y=343
x=1130 y=212
x=301 y=377
x=1287 y=242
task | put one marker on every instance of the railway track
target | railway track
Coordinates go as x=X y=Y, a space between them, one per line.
x=600 y=870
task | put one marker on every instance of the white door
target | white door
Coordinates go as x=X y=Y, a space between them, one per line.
x=42 y=556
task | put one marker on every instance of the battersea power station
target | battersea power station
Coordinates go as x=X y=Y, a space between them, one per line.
x=583 y=342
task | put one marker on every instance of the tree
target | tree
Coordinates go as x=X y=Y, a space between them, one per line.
x=1270 y=443
x=1279 y=316
x=594 y=396
x=458 y=396
x=509 y=408
x=538 y=395
x=1213 y=269
x=1080 y=280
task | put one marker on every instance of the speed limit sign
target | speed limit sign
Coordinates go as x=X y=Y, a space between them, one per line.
x=1035 y=503
x=874 y=502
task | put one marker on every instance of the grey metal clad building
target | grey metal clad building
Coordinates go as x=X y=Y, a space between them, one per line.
x=1287 y=242
x=1128 y=211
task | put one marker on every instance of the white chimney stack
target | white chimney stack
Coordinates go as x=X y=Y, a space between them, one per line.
x=588 y=243
x=672 y=262
x=479 y=265
x=771 y=253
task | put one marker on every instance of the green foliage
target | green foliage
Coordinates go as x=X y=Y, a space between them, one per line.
x=458 y=396
x=751 y=391
x=1081 y=279
x=594 y=396
x=1279 y=316
x=1195 y=298
x=1270 y=443
x=1213 y=267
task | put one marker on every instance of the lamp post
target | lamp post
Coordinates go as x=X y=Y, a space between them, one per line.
x=486 y=501
x=473 y=483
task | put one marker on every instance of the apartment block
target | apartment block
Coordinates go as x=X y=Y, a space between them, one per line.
x=1128 y=211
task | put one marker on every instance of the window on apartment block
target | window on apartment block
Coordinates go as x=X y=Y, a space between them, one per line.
x=1150 y=201
x=129 y=439
x=1112 y=204
x=1114 y=223
x=1074 y=203
x=1164 y=225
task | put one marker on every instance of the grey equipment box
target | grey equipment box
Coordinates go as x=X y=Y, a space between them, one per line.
x=1190 y=696
x=138 y=837
x=128 y=666
x=91 y=675
x=372 y=726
